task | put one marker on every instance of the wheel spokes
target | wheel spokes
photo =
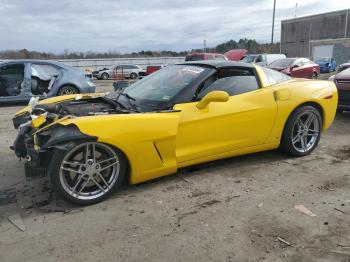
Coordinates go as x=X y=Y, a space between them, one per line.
x=88 y=161
x=305 y=132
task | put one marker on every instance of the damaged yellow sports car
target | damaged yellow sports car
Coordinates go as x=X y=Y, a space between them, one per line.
x=181 y=115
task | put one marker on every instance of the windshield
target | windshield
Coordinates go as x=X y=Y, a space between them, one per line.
x=163 y=85
x=324 y=59
x=249 y=59
x=281 y=63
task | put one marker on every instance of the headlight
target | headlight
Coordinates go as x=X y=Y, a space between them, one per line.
x=331 y=78
x=91 y=84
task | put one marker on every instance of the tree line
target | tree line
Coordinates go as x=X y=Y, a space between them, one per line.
x=251 y=45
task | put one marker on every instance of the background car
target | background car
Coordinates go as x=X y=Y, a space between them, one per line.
x=262 y=59
x=205 y=56
x=343 y=66
x=342 y=81
x=120 y=71
x=327 y=64
x=22 y=79
x=296 y=67
x=182 y=115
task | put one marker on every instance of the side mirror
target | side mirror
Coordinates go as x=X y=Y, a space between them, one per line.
x=214 y=96
x=120 y=85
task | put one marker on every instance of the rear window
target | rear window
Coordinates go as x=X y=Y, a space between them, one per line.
x=275 y=77
x=195 y=57
x=281 y=63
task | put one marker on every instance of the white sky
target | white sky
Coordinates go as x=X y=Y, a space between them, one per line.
x=125 y=26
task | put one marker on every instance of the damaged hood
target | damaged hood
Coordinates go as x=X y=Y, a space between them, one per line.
x=59 y=99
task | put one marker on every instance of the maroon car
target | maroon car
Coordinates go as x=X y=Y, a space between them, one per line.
x=342 y=81
x=205 y=56
x=296 y=67
x=344 y=66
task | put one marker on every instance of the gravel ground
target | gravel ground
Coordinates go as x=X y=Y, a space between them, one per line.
x=238 y=209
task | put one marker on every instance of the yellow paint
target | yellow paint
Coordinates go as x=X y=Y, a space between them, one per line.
x=38 y=121
x=157 y=144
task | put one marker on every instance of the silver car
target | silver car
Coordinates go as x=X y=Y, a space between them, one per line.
x=120 y=71
x=22 y=79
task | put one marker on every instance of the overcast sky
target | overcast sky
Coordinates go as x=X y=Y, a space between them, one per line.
x=125 y=25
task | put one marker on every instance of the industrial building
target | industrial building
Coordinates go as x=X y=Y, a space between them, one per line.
x=315 y=36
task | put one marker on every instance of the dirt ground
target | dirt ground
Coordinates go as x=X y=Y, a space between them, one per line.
x=238 y=209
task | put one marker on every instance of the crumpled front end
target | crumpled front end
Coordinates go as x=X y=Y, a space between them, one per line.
x=40 y=131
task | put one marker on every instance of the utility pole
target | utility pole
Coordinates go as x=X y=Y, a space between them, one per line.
x=295 y=13
x=273 y=20
x=204 y=46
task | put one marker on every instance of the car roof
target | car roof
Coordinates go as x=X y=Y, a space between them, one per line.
x=218 y=64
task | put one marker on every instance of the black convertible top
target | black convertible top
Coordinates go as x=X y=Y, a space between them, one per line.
x=218 y=64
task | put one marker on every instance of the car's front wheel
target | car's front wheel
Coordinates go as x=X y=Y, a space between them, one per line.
x=314 y=75
x=105 y=76
x=68 y=90
x=87 y=173
x=302 y=131
x=133 y=75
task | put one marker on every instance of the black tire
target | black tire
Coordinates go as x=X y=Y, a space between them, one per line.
x=133 y=75
x=105 y=76
x=68 y=90
x=314 y=75
x=57 y=185
x=287 y=145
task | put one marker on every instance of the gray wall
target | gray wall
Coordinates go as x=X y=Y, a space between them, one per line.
x=110 y=62
x=296 y=33
x=101 y=63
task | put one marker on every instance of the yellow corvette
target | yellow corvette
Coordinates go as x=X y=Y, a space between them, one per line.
x=179 y=116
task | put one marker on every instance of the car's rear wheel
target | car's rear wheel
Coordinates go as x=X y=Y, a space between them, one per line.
x=105 y=76
x=302 y=131
x=68 y=90
x=87 y=173
x=133 y=75
x=314 y=75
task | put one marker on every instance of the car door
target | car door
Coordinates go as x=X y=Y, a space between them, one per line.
x=245 y=120
x=14 y=83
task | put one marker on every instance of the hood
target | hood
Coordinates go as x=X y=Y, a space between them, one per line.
x=48 y=111
x=321 y=63
x=235 y=54
x=58 y=99
x=344 y=75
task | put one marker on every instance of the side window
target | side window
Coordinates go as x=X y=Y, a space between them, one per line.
x=275 y=77
x=259 y=59
x=43 y=77
x=11 y=78
x=219 y=57
x=298 y=62
x=234 y=81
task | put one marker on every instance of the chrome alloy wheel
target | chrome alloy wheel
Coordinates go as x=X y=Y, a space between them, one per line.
x=305 y=132
x=89 y=170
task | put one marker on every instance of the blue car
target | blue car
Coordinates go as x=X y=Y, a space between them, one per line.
x=22 y=79
x=327 y=64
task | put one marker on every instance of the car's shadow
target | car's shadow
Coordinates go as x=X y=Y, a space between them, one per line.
x=35 y=195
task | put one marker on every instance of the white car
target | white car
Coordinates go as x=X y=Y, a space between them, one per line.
x=262 y=59
x=120 y=71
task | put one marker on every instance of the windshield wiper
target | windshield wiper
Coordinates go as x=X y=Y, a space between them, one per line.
x=130 y=98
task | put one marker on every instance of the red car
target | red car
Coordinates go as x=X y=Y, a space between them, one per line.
x=205 y=56
x=342 y=81
x=296 y=67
